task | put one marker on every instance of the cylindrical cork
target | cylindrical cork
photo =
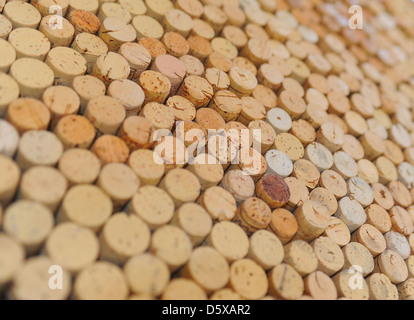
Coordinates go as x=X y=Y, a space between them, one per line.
x=9 y=92
x=334 y=182
x=227 y=104
x=115 y=32
x=397 y=242
x=387 y=170
x=183 y=289
x=218 y=79
x=129 y=94
x=262 y=134
x=313 y=219
x=242 y=81
x=381 y=288
x=400 y=193
x=178 y=21
x=371 y=238
x=123 y=237
x=273 y=190
x=175 y=44
x=357 y=254
x=251 y=162
x=110 y=67
x=147 y=274
x=326 y=198
x=197 y=90
x=144 y=165
x=8 y=186
x=382 y=196
x=182 y=108
x=358 y=290
x=61 y=101
x=207 y=169
x=331 y=136
x=320 y=156
x=345 y=165
x=91 y=47
x=30 y=223
x=137 y=132
x=239 y=185
x=172 y=68
x=392 y=265
x=75 y=131
x=299 y=193
x=88 y=87
x=285 y=282
x=329 y=255
x=253 y=214
x=279 y=163
x=368 y=171
x=29 y=43
x=150 y=199
x=301 y=256
x=160 y=116
x=266 y=249
x=9 y=137
x=284 y=225
x=156 y=86
x=22 y=14
x=114 y=10
x=38 y=148
x=320 y=286
x=373 y=145
x=12 y=255
x=109 y=149
x=401 y=220
x=248 y=279
x=219 y=204
x=379 y=218
x=306 y=171
x=266 y=96
x=293 y=104
x=84 y=22
x=229 y=240
x=338 y=232
x=252 y=110
x=280 y=120
x=351 y=212
x=290 y=145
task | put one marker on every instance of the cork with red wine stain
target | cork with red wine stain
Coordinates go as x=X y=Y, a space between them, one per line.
x=273 y=190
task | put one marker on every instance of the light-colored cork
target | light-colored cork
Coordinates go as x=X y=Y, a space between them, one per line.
x=115 y=32
x=88 y=5
x=360 y=190
x=75 y=131
x=351 y=212
x=266 y=249
x=320 y=156
x=280 y=120
x=397 y=242
x=145 y=167
x=292 y=104
x=400 y=193
x=61 y=101
x=369 y=236
x=12 y=256
x=240 y=186
x=401 y=221
x=284 y=225
x=386 y=169
x=88 y=87
x=290 y=145
x=84 y=22
x=285 y=282
x=5 y=26
x=109 y=149
x=29 y=43
x=357 y=254
x=306 y=171
x=382 y=196
x=9 y=92
x=320 y=287
x=392 y=265
x=358 y=290
x=183 y=289
x=379 y=218
x=338 y=232
x=313 y=219
x=381 y=288
x=22 y=14
x=9 y=138
x=301 y=256
x=368 y=171
x=254 y=214
x=110 y=67
x=154 y=46
x=109 y=9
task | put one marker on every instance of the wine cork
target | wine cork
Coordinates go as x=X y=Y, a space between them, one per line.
x=22 y=14
x=84 y=22
x=386 y=169
x=88 y=87
x=158 y=8
x=129 y=94
x=304 y=131
x=194 y=137
x=382 y=196
x=218 y=79
x=400 y=193
x=279 y=163
x=218 y=61
x=81 y=246
x=338 y=232
x=254 y=214
x=5 y=27
x=273 y=190
x=110 y=67
x=172 y=68
x=38 y=148
x=290 y=145
x=147 y=274
x=156 y=86
x=178 y=21
x=280 y=120
x=248 y=279
x=315 y=116
x=362 y=105
x=315 y=97
x=202 y=29
x=108 y=9
x=351 y=212
x=267 y=136
x=266 y=96
x=299 y=193
x=257 y=51
x=329 y=255
x=292 y=104
x=334 y=182
x=401 y=221
x=31 y=282
x=313 y=219
x=318 y=82
x=301 y=256
x=194 y=8
x=29 y=43
x=171 y=152
x=75 y=131
x=359 y=189
x=351 y=285
x=183 y=289
x=357 y=125
x=406 y=174
x=320 y=156
x=145 y=167
x=285 y=282
x=357 y=254
x=392 y=265
x=150 y=199
x=381 y=288
x=373 y=145
x=9 y=138
x=123 y=237
x=88 y=5
x=66 y=64
x=33 y=77
x=266 y=249
x=326 y=198
x=251 y=162
x=9 y=92
x=106 y=114
x=110 y=149
x=90 y=47
x=284 y=225
x=306 y=171
x=160 y=116
x=182 y=185
x=244 y=63
x=12 y=256
x=182 y=108
x=378 y=217
x=87 y=206
x=240 y=186
x=369 y=236
x=172 y=245
x=30 y=223
x=398 y=243
x=137 y=133
x=400 y=136
x=61 y=101
x=207 y=169
x=368 y=171
x=225 y=294
x=100 y=281
x=175 y=44
x=331 y=136
x=242 y=81
x=115 y=32
x=410 y=266
x=197 y=90
x=345 y=165
x=320 y=287
x=193 y=65
x=235 y=35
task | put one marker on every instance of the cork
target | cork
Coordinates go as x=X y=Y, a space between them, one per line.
x=160 y=116
x=100 y=281
x=106 y=114
x=320 y=156
x=235 y=35
x=292 y=104
x=387 y=170
x=157 y=9
x=84 y=22
x=382 y=196
x=66 y=64
x=378 y=218
x=410 y=266
x=248 y=279
x=215 y=17
x=240 y=186
x=38 y=148
x=320 y=287
x=401 y=220
x=5 y=26
x=273 y=190
x=129 y=94
x=225 y=294
x=10 y=139
x=110 y=149
x=88 y=5
x=175 y=44
x=405 y=174
x=195 y=221
x=33 y=77
x=304 y=131
x=193 y=8
x=368 y=171
x=31 y=282
x=315 y=116
x=81 y=246
x=329 y=255
x=12 y=255
x=266 y=249
x=351 y=212
x=357 y=254
x=400 y=136
x=318 y=82
x=183 y=289
x=236 y=16
x=138 y=57
x=373 y=145
x=331 y=136
x=280 y=120
x=9 y=92
x=171 y=152
x=29 y=43
x=357 y=125
x=371 y=238
x=284 y=225
x=244 y=63
x=296 y=49
x=110 y=67
x=75 y=131
x=218 y=79
x=193 y=65
x=156 y=86
x=342 y=282
x=194 y=137
x=115 y=32
x=333 y=182
x=346 y=166
x=338 y=232
x=285 y=282
x=392 y=265
x=313 y=219
x=242 y=81
x=338 y=86
x=326 y=198
x=150 y=199
x=172 y=68
x=300 y=71
x=279 y=163
x=207 y=169
x=88 y=87
x=154 y=47
x=251 y=162
x=28 y=222
x=197 y=90
x=108 y=9
x=61 y=101
x=290 y=145
x=254 y=214
x=381 y=288
x=147 y=274
x=257 y=51
x=172 y=245
x=219 y=61
x=202 y=29
x=301 y=256
x=400 y=193
x=299 y=193
x=144 y=166
x=397 y=242
x=305 y=171
x=313 y=96
x=123 y=237
x=22 y=14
